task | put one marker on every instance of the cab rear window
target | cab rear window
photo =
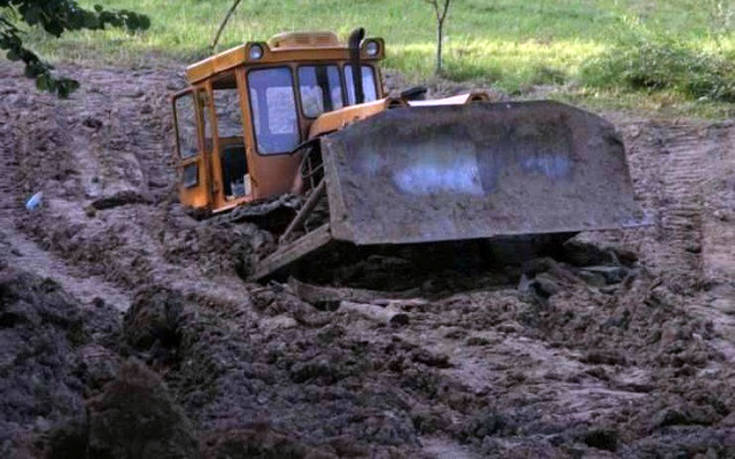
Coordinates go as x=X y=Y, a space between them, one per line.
x=320 y=89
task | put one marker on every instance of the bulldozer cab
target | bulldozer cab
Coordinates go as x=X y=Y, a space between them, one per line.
x=247 y=110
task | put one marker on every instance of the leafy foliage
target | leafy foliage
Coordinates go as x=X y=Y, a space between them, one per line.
x=664 y=64
x=55 y=17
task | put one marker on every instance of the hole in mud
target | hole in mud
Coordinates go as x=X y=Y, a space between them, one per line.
x=327 y=305
x=436 y=268
x=602 y=439
x=9 y=320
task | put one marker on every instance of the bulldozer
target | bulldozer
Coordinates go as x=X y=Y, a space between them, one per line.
x=298 y=133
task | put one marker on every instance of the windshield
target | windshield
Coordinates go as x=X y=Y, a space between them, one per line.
x=320 y=88
x=273 y=107
x=368 y=84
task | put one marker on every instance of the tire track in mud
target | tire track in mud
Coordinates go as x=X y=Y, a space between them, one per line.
x=693 y=250
x=681 y=219
x=75 y=151
x=718 y=246
x=719 y=225
x=113 y=135
x=19 y=249
x=28 y=256
x=697 y=159
x=694 y=165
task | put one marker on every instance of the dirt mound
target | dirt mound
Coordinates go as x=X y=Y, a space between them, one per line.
x=136 y=417
x=259 y=441
x=64 y=388
x=320 y=376
x=53 y=356
x=40 y=329
x=221 y=356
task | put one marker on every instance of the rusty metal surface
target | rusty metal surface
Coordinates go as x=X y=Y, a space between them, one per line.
x=475 y=171
x=292 y=252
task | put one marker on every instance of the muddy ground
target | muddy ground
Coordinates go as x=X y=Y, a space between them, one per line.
x=126 y=329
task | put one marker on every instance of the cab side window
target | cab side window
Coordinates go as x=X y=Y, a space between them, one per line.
x=273 y=106
x=233 y=159
x=186 y=141
x=186 y=126
x=203 y=103
x=229 y=115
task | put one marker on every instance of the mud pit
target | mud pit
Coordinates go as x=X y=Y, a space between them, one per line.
x=115 y=305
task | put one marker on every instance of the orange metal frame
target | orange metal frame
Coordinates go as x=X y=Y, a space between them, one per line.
x=270 y=175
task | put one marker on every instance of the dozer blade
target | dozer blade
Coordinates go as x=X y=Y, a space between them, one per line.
x=421 y=174
x=481 y=170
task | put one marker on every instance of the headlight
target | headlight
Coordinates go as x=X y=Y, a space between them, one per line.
x=256 y=52
x=372 y=48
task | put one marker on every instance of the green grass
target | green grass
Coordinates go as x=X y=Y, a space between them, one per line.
x=509 y=44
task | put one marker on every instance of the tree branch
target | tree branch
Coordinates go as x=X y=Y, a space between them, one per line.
x=440 y=11
x=223 y=24
x=55 y=18
x=444 y=11
x=434 y=5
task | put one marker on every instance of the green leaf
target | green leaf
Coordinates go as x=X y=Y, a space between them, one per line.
x=56 y=17
x=43 y=83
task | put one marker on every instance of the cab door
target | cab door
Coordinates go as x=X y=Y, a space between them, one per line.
x=273 y=130
x=230 y=170
x=193 y=172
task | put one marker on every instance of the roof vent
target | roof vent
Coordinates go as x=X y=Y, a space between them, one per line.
x=304 y=40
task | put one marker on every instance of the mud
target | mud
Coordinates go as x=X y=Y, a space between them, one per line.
x=619 y=344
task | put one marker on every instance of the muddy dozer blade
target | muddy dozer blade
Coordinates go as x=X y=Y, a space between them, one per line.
x=421 y=174
x=475 y=171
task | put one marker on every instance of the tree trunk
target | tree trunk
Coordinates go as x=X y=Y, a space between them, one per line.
x=439 y=36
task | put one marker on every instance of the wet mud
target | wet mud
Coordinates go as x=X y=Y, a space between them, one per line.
x=117 y=306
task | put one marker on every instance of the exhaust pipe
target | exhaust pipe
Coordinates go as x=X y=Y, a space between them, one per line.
x=354 y=42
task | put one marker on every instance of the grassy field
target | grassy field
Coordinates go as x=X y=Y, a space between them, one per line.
x=601 y=51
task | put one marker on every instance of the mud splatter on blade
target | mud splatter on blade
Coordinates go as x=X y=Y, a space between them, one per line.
x=420 y=174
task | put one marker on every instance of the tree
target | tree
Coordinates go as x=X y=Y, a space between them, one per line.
x=441 y=7
x=55 y=17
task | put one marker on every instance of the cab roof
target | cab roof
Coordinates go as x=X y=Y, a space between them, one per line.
x=281 y=48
